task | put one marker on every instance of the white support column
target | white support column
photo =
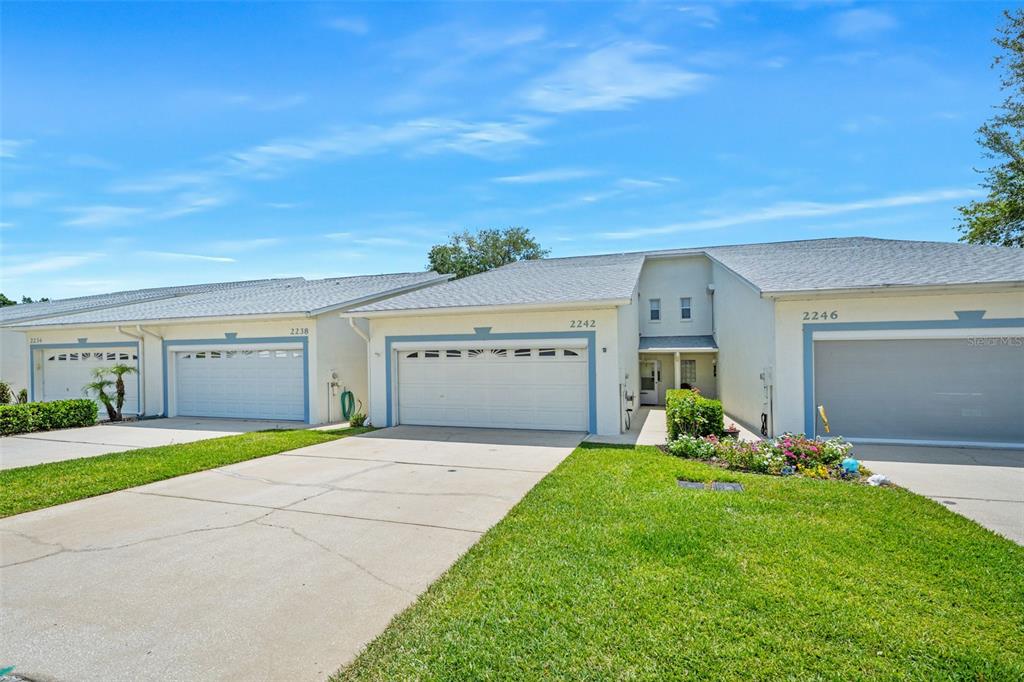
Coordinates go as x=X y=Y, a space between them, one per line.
x=675 y=370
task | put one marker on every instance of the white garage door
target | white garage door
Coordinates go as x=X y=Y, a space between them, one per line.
x=953 y=390
x=517 y=388
x=66 y=372
x=243 y=384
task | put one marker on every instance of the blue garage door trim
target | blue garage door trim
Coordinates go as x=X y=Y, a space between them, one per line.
x=231 y=339
x=485 y=334
x=965 y=319
x=77 y=346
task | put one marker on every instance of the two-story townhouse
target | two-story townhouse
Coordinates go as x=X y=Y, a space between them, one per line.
x=895 y=341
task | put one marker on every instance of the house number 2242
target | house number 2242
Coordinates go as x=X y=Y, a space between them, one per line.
x=590 y=324
x=821 y=315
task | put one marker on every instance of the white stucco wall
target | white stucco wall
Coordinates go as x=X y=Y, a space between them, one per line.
x=628 y=349
x=342 y=350
x=743 y=332
x=606 y=350
x=14 y=359
x=670 y=279
x=152 y=361
x=881 y=307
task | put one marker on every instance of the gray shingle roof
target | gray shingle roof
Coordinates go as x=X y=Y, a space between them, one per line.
x=548 y=281
x=299 y=296
x=864 y=262
x=698 y=342
x=774 y=267
x=67 y=306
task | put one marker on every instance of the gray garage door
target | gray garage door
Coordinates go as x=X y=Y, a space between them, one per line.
x=922 y=389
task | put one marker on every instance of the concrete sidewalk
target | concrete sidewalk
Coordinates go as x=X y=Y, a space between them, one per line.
x=648 y=427
x=985 y=485
x=89 y=441
x=277 y=568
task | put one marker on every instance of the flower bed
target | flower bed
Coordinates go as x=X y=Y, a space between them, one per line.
x=788 y=454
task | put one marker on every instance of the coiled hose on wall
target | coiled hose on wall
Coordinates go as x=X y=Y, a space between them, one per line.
x=348 y=404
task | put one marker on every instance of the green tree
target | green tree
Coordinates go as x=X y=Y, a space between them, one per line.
x=468 y=254
x=99 y=386
x=999 y=218
x=28 y=299
x=119 y=371
x=4 y=301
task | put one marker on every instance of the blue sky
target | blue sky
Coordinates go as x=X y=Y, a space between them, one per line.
x=161 y=143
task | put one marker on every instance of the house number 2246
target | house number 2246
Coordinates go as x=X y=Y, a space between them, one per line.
x=590 y=324
x=821 y=315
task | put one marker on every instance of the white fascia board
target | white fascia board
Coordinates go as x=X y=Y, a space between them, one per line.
x=894 y=290
x=469 y=310
x=902 y=334
x=678 y=350
x=231 y=319
x=735 y=274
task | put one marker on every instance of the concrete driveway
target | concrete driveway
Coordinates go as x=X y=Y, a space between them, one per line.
x=277 y=568
x=89 y=441
x=982 y=484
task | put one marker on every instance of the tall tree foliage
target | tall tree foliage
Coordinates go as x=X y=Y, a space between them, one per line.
x=999 y=218
x=468 y=254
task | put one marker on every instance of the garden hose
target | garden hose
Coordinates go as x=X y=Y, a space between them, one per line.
x=348 y=404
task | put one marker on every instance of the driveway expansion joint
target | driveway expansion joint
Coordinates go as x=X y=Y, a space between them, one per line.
x=297 y=453
x=286 y=508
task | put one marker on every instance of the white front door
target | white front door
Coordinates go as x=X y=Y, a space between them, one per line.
x=650 y=381
x=66 y=372
x=257 y=383
x=513 y=387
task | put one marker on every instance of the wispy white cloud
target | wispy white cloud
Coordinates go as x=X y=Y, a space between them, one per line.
x=9 y=148
x=418 y=136
x=862 y=124
x=188 y=203
x=232 y=245
x=102 y=215
x=705 y=16
x=174 y=255
x=863 y=23
x=354 y=25
x=612 y=77
x=244 y=100
x=797 y=210
x=381 y=241
x=89 y=161
x=338 y=235
x=281 y=205
x=550 y=175
x=6 y=225
x=48 y=263
x=26 y=198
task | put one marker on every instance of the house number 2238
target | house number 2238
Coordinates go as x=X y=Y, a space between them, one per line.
x=821 y=315
x=590 y=324
x=300 y=331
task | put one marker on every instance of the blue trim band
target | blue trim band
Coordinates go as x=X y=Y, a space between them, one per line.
x=484 y=334
x=74 y=345
x=965 y=319
x=300 y=340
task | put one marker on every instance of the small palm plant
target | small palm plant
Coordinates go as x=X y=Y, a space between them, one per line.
x=119 y=371
x=99 y=386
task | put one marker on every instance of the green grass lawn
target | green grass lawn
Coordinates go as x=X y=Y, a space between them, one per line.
x=608 y=570
x=44 y=485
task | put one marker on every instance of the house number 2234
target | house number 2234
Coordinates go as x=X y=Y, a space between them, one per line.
x=590 y=324
x=821 y=315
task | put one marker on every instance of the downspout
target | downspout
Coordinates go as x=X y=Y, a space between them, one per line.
x=163 y=359
x=355 y=327
x=142 y=367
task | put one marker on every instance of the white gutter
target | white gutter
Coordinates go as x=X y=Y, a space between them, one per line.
x=468 y=310
x=357 y=330
x=142 y=367
x=893 y=289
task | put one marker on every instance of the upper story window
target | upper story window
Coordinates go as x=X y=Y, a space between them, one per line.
x=655 y=309
x=685 y=309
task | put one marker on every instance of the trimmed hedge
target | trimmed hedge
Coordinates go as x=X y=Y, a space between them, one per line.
x=691 y=413
x=59 y=414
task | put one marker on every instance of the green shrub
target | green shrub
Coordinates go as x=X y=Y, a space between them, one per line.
x=691 y=413
x=692 y=447
x=6 y=393
x=357 y=419
x=59 y=414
